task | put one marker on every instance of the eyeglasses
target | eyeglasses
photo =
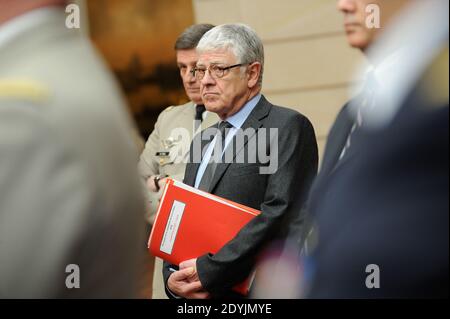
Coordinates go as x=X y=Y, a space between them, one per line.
x=215 y=71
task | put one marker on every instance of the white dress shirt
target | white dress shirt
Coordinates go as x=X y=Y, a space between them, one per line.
x=237 y=120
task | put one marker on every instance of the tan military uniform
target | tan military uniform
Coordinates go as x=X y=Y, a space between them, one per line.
x=166 y=153
x=167 y=148
x=69 y=188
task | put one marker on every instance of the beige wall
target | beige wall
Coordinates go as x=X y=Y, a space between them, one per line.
x=309 y=65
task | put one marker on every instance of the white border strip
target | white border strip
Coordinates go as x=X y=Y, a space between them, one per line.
x=210 y=196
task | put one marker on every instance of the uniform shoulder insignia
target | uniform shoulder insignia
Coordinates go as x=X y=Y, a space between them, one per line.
x=21 y=89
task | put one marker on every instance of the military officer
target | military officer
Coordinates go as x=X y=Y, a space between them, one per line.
x=70 y=200
x=167 y=149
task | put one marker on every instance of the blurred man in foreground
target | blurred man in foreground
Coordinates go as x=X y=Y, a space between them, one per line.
x=71 y=210
x=381 y=214
x=379 y=205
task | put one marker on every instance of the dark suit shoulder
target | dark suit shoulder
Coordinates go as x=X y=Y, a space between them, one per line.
x=280 y=116
x=344 y=113
x=284 y=111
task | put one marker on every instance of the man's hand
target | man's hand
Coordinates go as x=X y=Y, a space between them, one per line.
x=191 y=263
x=184 y=284
x=151 y=183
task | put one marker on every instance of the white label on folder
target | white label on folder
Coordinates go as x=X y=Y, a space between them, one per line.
x=170 y=233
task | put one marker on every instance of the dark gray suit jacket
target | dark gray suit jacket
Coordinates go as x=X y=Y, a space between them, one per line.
x=390 y=207
x=273 y=194
x=337 y=138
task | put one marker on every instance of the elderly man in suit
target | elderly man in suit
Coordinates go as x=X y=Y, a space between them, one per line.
x=71 y=205
x=382 y=211
x=230 y=67
x=167 y=149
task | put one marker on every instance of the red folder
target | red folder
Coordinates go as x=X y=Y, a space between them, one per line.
x=190 y=223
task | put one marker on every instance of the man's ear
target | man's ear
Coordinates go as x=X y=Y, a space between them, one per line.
x=253 y=72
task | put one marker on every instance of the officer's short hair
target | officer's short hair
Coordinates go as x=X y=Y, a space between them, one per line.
x=191 y=36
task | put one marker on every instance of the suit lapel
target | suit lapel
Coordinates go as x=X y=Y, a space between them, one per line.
x=349 y=154
x=191 y=171
x=342 y=137
x=336 y=141
x=253 y=121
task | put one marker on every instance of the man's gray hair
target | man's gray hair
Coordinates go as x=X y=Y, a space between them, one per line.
x=191 y=36
x=240 y=39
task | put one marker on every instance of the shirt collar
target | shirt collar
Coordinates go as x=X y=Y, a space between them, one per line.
x=238 y=119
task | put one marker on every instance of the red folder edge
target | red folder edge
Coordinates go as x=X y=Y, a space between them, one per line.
x=242 y=287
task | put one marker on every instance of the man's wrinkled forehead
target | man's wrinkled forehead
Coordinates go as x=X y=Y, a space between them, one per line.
x=218 y=56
